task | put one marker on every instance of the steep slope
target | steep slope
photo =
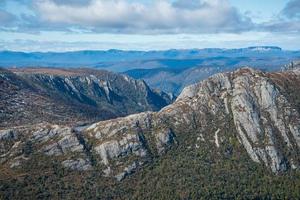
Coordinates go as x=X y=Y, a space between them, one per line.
x=226 y=136
x=56 y=95
x=22 y=104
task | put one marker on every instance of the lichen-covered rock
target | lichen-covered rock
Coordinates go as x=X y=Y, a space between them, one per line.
x=164 y=138
x=57 y=140
x=77 y=164
x=127 y=171
x=8 y=134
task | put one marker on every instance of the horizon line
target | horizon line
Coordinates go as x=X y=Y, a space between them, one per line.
x=150 y=50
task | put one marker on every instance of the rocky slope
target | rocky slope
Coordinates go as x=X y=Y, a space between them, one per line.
x=56 y=95
x=244 y=118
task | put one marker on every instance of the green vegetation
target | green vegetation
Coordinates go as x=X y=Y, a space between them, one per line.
x=182 y=173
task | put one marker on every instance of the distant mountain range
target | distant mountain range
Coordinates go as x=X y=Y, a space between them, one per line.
x=173 y=80
x=169 y=70
x=118 y=60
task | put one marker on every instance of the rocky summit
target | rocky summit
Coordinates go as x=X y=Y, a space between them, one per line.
x=236 y=130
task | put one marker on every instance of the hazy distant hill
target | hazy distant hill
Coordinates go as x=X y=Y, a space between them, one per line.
x=174 y=80
x=169 y=70
x=117 y=60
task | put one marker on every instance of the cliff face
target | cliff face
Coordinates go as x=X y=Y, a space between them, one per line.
x=31 y=96
x=267 y=125
x=245 y=112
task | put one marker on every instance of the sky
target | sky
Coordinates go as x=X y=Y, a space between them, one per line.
x=69 y=25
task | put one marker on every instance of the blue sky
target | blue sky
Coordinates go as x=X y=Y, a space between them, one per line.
x=67 y=25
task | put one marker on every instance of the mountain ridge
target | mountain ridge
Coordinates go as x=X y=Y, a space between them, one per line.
x=239 y=130
x=85 y=94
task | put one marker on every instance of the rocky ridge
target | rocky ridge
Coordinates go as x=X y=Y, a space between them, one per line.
x=62 y=95
x=245 y=111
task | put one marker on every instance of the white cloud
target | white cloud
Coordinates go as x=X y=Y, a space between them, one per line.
x=59 y=41
x=202 y=16
x=287 y=21
x=60 y=25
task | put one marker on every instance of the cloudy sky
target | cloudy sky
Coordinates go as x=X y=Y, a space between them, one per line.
x=65 y=25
